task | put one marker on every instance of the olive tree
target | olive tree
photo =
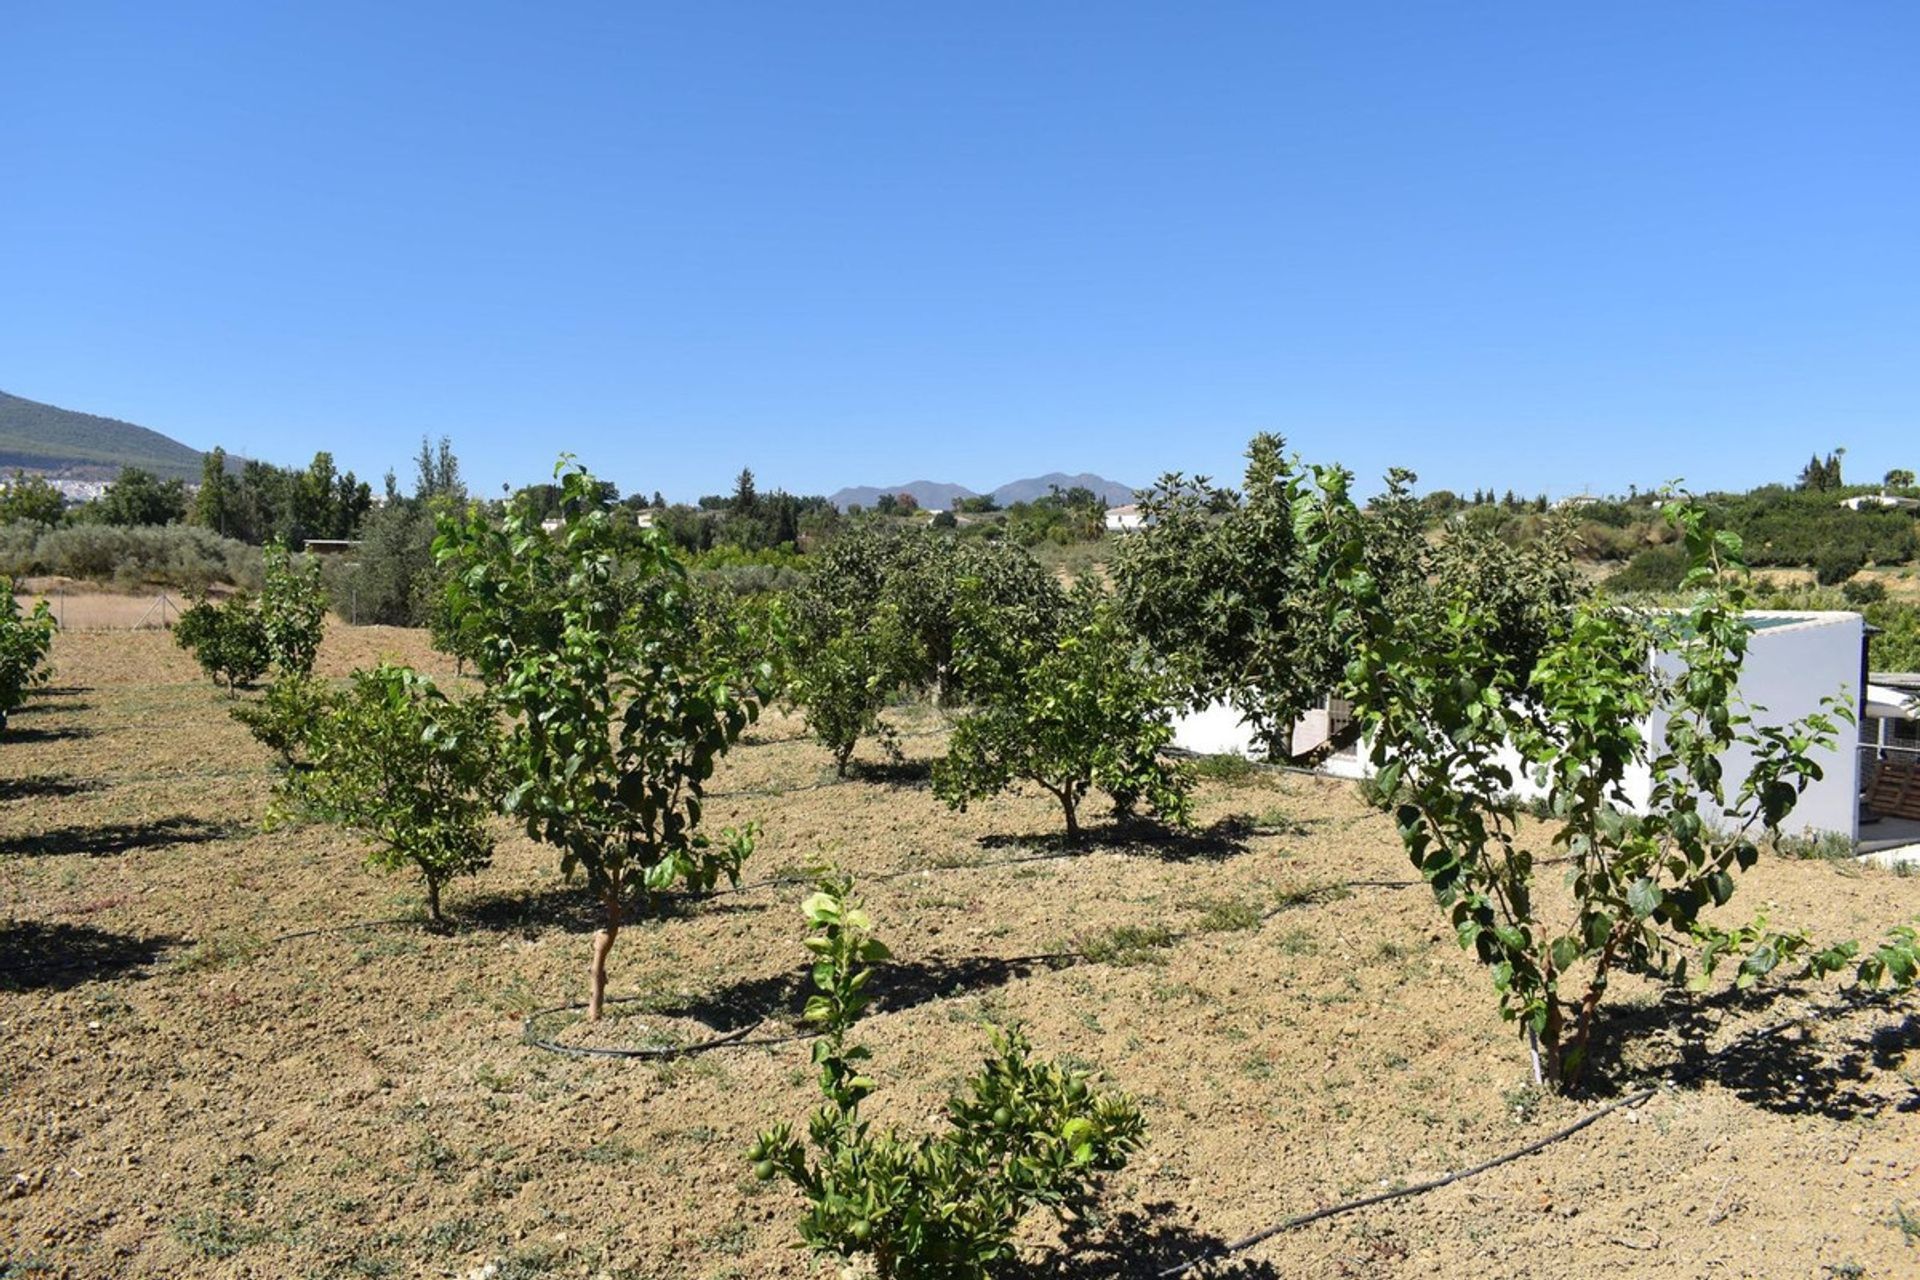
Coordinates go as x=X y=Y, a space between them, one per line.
x=590 y=638
x=1066 y=703
x=26 y=638
x=397 y=760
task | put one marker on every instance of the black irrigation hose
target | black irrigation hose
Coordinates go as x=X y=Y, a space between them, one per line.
x=1418 y=1188
x=1539 y=1144
x=735 y=1039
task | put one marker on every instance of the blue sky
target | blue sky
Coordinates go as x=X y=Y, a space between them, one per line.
x=1523 y=245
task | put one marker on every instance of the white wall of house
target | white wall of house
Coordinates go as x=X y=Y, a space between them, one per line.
x=1790 y=667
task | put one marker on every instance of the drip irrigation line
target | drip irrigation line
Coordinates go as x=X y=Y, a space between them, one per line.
x=735 y=1039
x=1674 y=1078
x=1418 y=1188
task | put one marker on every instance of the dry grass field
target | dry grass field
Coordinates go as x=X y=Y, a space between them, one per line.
x=207 y=1068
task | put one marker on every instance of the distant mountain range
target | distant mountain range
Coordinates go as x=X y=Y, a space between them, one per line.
x=939 y=497
x=81 y=446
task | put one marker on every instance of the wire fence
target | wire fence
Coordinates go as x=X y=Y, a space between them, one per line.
x=106 y=610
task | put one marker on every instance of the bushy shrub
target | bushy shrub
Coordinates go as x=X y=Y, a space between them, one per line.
x=1655 y=569
x=1067 y=706
x=1863 y=591
x=285 y=717
x=398 y=761
x=25 y=641
x=1020 y=1134
x=293 y=611
x=226 y=639
x=391 y=580
x=1834 y=565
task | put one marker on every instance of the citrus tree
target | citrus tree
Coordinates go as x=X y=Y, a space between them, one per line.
x=291 y=621
x=844 y=675
x=1491 y=687
x=398 y=761
x=26 y=638
x=1234 y=599
x=1019 y=1134
x=227 y=640
x=590 y=638
x=1066 y=703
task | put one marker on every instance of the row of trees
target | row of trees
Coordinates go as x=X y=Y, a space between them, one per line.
x=613 y=687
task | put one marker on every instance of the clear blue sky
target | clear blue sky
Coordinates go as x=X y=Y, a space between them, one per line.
x=1528 y=245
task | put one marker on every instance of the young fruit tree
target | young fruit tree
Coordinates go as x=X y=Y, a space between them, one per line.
x=945 y=1206
x=590 y=638
x=25 y=641
x=1492 y=685
x=1235 y=602
x=843 y=678
x=1068 y=707
x=293 y=611
x=398 y=761
x=227 y=640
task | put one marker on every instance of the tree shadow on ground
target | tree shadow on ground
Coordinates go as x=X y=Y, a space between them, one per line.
x=36 y=707
x=56 y=957
x=108 y=839
x=22 y=735
x=1224 y=839
x=1809 y=1068
x=895 y=986
x=47 y=785
x=915 y=775
x=571 y=909
x=1138 y=1244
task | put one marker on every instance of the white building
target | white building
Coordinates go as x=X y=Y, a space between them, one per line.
x=1124 y=519
x=1862 y=500
x=1794 y=660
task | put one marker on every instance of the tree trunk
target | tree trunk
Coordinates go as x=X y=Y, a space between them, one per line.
x=602 y=944
x=433 y=900
x=1073 y=819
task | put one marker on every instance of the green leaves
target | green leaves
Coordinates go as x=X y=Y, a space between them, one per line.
x=1068 y=707
x=591 y=637
x=1493 y=664
x=1020 y=1135
x=1643 y=898
x=398 y=761
x=25 y=641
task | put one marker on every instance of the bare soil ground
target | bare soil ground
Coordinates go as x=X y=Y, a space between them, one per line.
x=206 y=1069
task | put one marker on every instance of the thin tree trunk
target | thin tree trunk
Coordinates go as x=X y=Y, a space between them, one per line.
x=602 y=944
x=1073 y=820
x=433 y=900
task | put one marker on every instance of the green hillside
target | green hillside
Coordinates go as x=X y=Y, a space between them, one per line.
x=43 y=437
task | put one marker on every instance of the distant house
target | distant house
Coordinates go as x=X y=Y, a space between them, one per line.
x=1125 y=519
x=1861 y=501
x=1794 y=660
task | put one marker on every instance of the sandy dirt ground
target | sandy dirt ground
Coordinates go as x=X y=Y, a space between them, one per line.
x=208 y=1068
